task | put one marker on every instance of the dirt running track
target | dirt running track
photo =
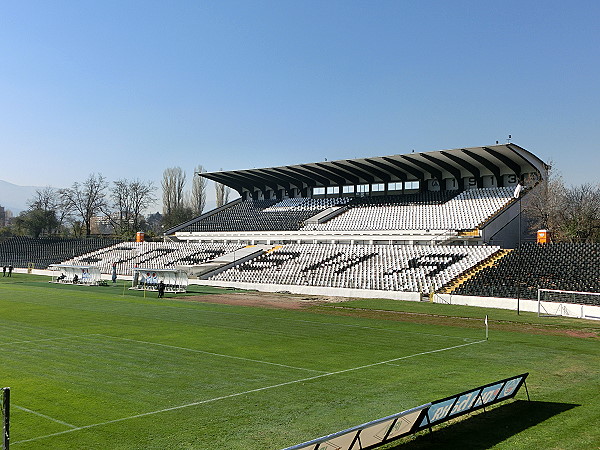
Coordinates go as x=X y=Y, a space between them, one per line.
x=334 y=306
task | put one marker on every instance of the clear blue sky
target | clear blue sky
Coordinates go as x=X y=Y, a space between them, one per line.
x=129 y=88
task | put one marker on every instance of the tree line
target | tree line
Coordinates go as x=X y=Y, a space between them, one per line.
x=570 y=213
x=179 y=207
x=96 y=206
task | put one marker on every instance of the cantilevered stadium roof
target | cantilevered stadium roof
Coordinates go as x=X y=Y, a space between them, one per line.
x=460 y=163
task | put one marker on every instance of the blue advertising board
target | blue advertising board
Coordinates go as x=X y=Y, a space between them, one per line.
x=469 y=401
x=378 y=432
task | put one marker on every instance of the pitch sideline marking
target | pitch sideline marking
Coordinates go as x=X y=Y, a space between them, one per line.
x=436 y=351
x=363 y=327
x=238 y=394
x=327 y=323
x=304 y=321
x=44 y=416
x=207 y=353
x=46 y=339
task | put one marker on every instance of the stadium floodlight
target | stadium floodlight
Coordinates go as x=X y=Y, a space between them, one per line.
x=5 y=415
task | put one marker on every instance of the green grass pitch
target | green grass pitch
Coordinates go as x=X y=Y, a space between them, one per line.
x=101 y=367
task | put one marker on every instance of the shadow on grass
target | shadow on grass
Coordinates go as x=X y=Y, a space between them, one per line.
x=486 y=429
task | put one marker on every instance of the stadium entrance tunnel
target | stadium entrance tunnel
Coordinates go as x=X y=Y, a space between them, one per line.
x=485 y=429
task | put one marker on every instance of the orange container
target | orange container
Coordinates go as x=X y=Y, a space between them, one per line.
x=543 y=236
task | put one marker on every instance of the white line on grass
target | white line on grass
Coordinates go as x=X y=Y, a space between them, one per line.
x=44 y=416
x=287 y=319
x=168 y=346
x=363 y=327
x=45 y=339
x=208 y=353
x=335 y=324
x=224 y=397
x=435 y=351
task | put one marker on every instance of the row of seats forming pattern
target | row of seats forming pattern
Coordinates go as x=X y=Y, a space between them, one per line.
x=256 y=215
x=466 y=211
x=563 y=266
x=22 y=251
x=306 y=204
x=380 y=267
x=414 y=198
x=162 y=255
x=289 y=214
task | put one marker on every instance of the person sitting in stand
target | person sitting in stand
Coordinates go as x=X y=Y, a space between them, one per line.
x=62 y=277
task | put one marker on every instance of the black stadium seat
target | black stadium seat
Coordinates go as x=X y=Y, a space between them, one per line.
x=41 y=252
x=563 y=266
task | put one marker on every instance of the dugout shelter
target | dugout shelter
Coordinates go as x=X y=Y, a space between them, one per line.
x=176 y=281
x=76 y=274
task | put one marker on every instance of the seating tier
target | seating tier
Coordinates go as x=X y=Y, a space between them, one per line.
x=160 y=255
x=41 y=252
x=382 y=267
x=564 y=266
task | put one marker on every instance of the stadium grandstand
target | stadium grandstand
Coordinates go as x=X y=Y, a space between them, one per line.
x=560 y=266
x=126 y=256
x=416 y=223
x=407 y=226
x=451 y=197
x=40 y=253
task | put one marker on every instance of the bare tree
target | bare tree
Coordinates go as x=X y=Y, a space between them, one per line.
x=121 y=216
x=87 y=199
x=222 y=193
x=129 y=198
x=198 y=193
x=571 y=214
x=543 y=204
x=49 y=201
x=142 y=196
x=45 y=199
x=173 y=183
x=174 y=209
x=580 y=217
x=219 y=191
x=226 y=193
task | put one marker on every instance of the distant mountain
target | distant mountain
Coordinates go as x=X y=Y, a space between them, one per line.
x=14 y=197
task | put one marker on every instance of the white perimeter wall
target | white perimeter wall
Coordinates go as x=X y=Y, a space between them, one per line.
x=566 y=309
